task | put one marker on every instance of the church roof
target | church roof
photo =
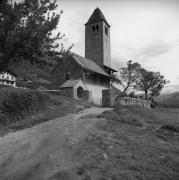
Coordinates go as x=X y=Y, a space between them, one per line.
x=89 y=64
x=69 y=83
x=110 y=68
x=97 y=16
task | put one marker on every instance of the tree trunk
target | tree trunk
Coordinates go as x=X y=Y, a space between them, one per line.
x=119 y=96
x=146 y=95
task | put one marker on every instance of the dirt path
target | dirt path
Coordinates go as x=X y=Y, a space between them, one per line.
x=43 y=151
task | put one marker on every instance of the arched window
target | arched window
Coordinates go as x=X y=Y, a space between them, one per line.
x=93 y=28
x=106 y=30
x=97 y=27
x=67 y=76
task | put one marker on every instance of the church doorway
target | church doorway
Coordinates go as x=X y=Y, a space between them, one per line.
x=79 y=92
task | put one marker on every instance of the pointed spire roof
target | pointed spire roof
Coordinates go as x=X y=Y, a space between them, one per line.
x=97 y=16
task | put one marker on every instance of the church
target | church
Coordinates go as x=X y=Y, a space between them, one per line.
x=86 y=77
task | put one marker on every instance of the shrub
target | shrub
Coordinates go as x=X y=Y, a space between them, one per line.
x=153 y=104
x=16 y=103
x=170 y=127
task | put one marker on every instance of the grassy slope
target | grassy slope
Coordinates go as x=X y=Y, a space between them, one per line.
x=169 y=100
x=35 y=72
x=132 y=144
x=63 y=105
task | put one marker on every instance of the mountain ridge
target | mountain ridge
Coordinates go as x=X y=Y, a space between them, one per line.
x=168 y=100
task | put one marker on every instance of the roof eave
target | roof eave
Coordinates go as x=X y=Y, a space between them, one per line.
x=98 y=21
x=95 y=72
x=111 y=68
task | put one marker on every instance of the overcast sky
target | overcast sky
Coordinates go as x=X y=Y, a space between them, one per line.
x=143 y=31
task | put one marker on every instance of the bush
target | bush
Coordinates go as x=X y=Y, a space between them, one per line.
x=170 y=127
x=153 y=104
x=16 y=103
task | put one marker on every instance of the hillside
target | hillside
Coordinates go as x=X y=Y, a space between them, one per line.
x=24 y=108
x=34 y=75
x=168 y=100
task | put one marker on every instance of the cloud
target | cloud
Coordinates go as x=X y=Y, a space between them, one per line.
x=170 y=88
x=117 y=63
x=143 y=52
x=177 y=41
x=153 y=49
x=156 y=48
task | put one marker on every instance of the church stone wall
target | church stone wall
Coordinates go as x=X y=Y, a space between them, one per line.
x=97 y=43
x=87 y=95
x=128 y=101
x=109 y=98
x=106 y=46
x=67 y=92
x=72 y=92
x=67 y=66
x=96 y=92
x=95 y=84
x=79 y=84
x=94 y=42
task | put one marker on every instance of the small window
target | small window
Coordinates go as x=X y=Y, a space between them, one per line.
x=67 y=76
x=97 y=27
x=106 y=30
x=94 y=29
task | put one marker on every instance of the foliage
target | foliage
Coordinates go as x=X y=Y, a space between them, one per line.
x=57 y=106
x=26 y=30
x=134 y=76
x=150 y=82
x=15 y=102
x=127 y=76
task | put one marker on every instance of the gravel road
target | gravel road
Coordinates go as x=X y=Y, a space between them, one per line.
x=42 y=151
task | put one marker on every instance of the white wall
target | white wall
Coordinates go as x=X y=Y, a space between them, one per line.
x=80 y=83
x=96 y=92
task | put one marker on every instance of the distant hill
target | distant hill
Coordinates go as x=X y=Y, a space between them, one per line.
x=168 y=100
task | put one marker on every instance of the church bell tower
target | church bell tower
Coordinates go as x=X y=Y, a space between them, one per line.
x=97 y=39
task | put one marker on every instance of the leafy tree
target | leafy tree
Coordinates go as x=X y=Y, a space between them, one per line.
x=127 y=76
x=26 y=30
x=150 y=82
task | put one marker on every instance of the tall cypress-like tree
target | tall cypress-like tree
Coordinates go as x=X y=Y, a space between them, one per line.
x=26 y=30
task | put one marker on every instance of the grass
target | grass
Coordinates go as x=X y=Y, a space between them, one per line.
x=168 y=100
x=17 y=117
x=132 y=143
x=16 y=104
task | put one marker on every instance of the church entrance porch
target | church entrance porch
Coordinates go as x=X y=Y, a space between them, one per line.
x=75 y=89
